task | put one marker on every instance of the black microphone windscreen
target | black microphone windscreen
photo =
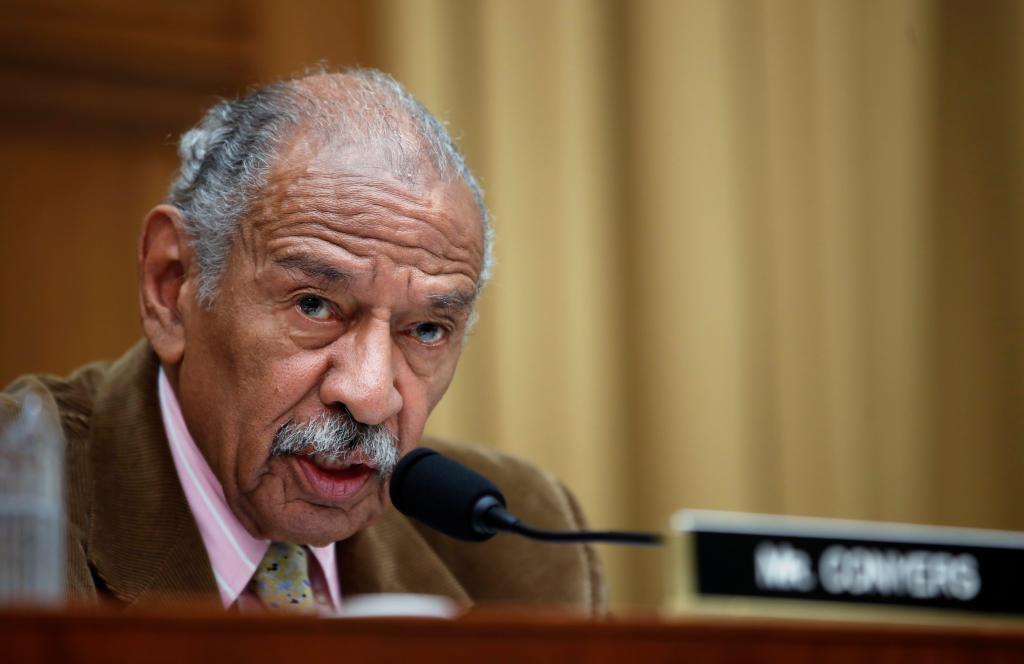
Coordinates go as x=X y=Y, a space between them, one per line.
x=441 y=492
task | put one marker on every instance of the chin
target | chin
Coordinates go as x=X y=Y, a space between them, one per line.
x=316 y=525
x=297 y=503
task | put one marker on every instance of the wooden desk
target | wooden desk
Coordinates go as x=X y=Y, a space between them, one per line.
x=180 y=636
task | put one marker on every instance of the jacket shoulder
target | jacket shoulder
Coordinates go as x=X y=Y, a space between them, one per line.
x=509 y=568
x=72 y=395
x=533 y=494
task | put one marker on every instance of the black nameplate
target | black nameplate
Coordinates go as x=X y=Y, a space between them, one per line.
x=854 y=562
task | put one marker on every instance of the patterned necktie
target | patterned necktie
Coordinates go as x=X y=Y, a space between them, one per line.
x=282 y=580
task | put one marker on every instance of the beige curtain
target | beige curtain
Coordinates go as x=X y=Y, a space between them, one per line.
x=752 y=255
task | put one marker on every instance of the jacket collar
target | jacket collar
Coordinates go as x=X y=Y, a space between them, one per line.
x=143 y=541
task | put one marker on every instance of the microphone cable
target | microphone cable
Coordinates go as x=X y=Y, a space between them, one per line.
x=456 y=500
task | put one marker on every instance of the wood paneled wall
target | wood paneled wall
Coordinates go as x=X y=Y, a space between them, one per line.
x=95 y=94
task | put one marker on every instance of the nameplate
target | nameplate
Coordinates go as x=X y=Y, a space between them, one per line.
x=729 y=555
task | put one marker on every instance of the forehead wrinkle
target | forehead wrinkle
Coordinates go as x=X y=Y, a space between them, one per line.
x=371 y=202
x=370 y=227
x=420 y=222
x=348 y=191
x=366 y=247
x=311 y=181
x=374 y=208
x=313 y=267
x=349 y=181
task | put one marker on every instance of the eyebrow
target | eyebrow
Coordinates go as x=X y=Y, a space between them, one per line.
x=312 y=268
x=452 y=302
x=455 y=301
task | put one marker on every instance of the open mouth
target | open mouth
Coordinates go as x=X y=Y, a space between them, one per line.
x=329 y=463
x=335 y=479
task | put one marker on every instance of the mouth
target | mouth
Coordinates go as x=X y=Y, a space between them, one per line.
x=335 y=479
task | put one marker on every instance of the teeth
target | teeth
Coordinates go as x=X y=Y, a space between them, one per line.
x=325 y=461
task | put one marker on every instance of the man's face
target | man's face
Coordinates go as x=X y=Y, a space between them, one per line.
x=347 y=287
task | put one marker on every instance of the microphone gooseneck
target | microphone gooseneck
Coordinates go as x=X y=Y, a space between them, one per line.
x=461 y=503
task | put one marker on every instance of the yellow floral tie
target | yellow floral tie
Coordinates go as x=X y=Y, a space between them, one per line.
x=282 y=580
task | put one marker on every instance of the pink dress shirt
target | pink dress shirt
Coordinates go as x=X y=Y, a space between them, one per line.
x=234 y=553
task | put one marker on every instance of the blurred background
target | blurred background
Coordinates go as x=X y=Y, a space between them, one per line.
x=760 y=255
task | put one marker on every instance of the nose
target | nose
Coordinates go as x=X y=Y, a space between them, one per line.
x=362 y=373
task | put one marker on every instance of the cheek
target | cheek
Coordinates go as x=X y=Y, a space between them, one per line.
x=277 y=389
x=421 y=392
x=434 y=368
x=439 y=382
x=415 y=400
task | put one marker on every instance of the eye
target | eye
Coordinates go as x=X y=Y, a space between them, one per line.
x=429 y=333
x=315 y=307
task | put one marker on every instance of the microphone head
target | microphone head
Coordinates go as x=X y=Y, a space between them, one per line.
x=442 y=494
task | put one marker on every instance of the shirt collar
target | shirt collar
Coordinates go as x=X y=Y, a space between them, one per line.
x=234 y=553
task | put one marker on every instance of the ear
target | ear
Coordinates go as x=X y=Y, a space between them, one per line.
x=164 y=257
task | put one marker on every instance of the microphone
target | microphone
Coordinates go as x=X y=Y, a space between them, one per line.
x=462 y=503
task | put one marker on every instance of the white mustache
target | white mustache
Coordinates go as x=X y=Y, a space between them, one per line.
x=336 y=435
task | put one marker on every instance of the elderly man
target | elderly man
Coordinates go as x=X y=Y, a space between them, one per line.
x=305 y=294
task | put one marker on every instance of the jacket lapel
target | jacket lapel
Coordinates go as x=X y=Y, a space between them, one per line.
x=143 y=541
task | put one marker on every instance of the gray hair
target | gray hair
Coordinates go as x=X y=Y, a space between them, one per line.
x=225 y=159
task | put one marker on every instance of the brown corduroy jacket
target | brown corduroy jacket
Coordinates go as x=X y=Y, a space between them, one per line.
x=132 y=537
